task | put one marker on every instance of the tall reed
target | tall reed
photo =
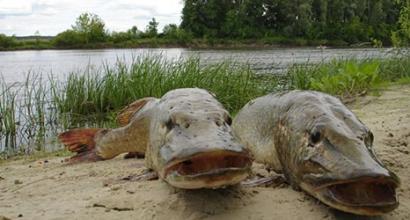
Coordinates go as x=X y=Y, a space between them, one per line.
x=111 y=88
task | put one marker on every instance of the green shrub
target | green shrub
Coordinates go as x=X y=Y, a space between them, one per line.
x=69 y=38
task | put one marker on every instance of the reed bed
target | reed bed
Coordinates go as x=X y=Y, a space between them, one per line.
x=112 y=88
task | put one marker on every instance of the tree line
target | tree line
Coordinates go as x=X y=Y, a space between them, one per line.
x=89 y=31
x=351 y=21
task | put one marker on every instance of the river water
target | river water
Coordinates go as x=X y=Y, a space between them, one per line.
x=14 y=65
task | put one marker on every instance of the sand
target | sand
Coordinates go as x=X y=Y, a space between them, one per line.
x=49 y=189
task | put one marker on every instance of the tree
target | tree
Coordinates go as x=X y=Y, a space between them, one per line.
x=152 y=28
x=401 y=37
x=170 y=31
x=7 y=42
x=134 y=31
x=92 y=27
x=69 y=38
x=37 y=37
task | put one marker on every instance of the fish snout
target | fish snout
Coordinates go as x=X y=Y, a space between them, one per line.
x=358 y=183
x=207 y=167
x=364 y=192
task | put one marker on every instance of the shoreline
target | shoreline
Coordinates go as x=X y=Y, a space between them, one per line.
x=220 y=44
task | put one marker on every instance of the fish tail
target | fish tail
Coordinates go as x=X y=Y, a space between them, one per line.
x=81 y=141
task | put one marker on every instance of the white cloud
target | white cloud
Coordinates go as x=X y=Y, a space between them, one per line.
x=14 y=8
x=24 y=17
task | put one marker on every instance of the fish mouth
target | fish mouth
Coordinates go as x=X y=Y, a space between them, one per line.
x=208 y=170
x=366 y=196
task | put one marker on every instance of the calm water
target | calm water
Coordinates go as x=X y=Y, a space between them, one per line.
x=14 y=65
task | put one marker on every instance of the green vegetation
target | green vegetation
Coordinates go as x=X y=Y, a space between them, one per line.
x=340 y=22
x=349 y=78
x=255 y=23
x=401 y=37
x=34 y=111
x=99 y=93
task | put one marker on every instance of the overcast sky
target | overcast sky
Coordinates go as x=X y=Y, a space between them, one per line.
x=49 y=17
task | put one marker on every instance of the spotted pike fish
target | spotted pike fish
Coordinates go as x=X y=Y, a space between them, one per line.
x=185 y=135
x=321 y=147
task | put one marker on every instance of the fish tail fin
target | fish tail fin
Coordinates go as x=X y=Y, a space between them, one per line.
x=81 y=141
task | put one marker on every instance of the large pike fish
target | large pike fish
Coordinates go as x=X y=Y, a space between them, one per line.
x=321 y=147
x=186 y=138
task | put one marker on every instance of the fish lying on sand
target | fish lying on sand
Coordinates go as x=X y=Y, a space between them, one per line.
x=185 y=135
x=321 y=147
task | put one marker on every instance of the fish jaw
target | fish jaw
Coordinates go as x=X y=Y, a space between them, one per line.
x=370 y=196
x=212 y=169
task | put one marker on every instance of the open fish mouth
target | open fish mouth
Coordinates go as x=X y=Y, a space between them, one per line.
x=208 y=170
x=367 y=196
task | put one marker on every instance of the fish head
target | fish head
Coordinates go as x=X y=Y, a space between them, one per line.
x=193 y=145
x=331 y=157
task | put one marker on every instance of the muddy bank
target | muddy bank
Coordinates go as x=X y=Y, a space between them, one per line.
x=49 y=189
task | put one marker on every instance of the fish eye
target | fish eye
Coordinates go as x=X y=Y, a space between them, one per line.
x=229 y=120
x=169 y=124
x=315 y=137
x=369 y=139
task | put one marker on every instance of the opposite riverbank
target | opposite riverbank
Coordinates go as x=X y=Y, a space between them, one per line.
x=263 y=43
x=47 y=188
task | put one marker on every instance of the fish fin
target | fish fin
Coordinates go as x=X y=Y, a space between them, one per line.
x=134 y=155
x=81 y=141
x=125 y=115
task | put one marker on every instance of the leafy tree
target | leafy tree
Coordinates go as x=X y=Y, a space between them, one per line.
x=401 y=37
x=134 y=31
x=91 y=27
x=152 y=28
x=69 y=38
x=7 y=42
x=37 y=37
x=170 y=31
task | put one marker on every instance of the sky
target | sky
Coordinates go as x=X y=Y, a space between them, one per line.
x=50 y=17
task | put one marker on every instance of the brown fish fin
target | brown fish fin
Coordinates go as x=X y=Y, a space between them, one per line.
x=82 y=142
x=125 y=115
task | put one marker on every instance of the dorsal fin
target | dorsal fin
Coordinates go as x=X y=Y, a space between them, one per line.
x=125 y=115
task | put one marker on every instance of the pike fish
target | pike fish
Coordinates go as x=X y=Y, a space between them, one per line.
x=186 y=137
x=321 y=147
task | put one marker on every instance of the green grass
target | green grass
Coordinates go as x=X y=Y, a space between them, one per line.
x=114 y=87
x=350 y=77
